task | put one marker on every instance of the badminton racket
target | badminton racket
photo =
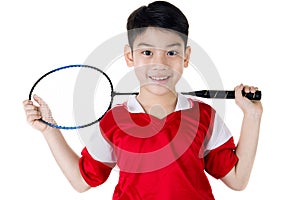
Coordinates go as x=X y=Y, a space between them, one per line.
x=218 y=94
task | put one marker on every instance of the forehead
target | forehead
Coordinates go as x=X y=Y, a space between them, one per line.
x=158 y=38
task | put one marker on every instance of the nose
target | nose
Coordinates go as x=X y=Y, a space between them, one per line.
x=159 y=61
x=159 y=67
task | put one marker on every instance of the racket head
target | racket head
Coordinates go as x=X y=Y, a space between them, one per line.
x=68 y=67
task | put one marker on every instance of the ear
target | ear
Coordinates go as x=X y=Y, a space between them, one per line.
x=128 y=56
x=187 y=56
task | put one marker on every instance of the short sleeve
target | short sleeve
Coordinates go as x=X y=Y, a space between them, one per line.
x=99 y=148
x=95 y=157
x=219 y=161
x=219 y=135
x=93 y=172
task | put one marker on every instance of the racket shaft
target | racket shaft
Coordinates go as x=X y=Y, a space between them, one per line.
x=223 y=94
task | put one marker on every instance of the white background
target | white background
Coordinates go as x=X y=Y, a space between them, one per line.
x=255 y=42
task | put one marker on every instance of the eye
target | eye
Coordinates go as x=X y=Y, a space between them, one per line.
x=147 y=53
x=172 y=53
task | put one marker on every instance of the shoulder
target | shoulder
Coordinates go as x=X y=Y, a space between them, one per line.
x=109 y=118
x=202 y=106
x=118 y=108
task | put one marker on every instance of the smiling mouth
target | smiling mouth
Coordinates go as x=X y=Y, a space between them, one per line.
x=159 y=78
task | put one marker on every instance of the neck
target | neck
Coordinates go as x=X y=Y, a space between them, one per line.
x=158 y=105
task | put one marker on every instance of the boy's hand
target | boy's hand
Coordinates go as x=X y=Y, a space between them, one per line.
x=247 y=106
x=34 y=113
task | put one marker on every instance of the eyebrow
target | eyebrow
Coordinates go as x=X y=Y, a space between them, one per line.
x=150 y=45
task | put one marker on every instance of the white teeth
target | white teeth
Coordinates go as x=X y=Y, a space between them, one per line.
x=159 y=78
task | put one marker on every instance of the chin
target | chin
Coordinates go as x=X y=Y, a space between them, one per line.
x=159 y=90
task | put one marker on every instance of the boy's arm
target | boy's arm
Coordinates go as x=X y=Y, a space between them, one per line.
x=65 y=157
x=238 y=177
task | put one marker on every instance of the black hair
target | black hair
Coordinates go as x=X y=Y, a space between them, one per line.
x=160 y=14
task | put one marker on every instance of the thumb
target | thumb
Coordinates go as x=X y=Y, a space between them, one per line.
x=44 y=109
x=238 y=91
x=39 y=100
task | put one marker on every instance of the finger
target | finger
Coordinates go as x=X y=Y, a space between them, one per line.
x=238 y=91
x=27 y=102
x=31 y=118
x=239 y=87
x=247 y=89
x=39 y=100
x=253 y=89
x=30 y=107
x=33 y=112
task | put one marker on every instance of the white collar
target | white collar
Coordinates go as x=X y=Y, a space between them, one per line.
x=134 y=106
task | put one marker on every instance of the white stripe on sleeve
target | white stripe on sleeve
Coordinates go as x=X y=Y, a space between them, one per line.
x=99 y=148
x=220 y=134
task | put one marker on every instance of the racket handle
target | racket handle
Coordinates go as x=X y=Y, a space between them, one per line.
x=223 y=94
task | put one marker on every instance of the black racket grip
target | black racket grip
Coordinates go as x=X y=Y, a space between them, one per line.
x=224 y=94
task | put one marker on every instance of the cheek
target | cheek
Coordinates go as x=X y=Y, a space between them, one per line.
x=138 y=63
x=177 y=71
x=138 y=60
x=178 y=66
x=140 y=73
x=177 y=76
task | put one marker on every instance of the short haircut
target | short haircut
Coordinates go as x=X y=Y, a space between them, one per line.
x=158 y=14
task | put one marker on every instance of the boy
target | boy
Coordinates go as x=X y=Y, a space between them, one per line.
x=161 y=141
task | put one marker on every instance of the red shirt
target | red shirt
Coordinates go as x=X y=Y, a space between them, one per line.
x=162 y=158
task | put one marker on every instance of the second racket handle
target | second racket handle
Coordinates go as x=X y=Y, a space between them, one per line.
x=225 y=94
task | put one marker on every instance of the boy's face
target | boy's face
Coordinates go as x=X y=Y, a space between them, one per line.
x=159 y=57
